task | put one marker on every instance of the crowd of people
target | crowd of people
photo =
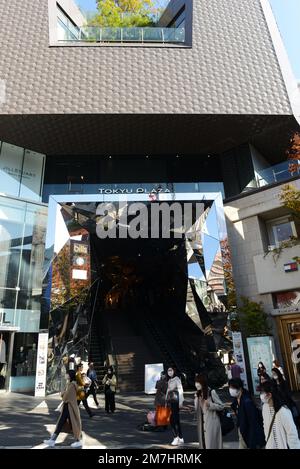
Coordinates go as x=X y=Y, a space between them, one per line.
x=272 y=424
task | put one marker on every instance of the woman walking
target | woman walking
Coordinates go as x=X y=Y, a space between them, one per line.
x=279 y=427
x=174 y=400
x=70 y=412
x=207 y=404
x=110 y=385
x=81 y=393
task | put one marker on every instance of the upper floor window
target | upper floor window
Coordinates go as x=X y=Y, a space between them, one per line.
x=115 y=21
x=282 y=229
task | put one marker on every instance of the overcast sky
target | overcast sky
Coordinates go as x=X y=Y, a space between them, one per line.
x=287 y=13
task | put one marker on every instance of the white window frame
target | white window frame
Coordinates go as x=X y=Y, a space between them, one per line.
x=271 y=224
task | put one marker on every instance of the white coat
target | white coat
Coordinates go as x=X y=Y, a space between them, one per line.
x=284 y=429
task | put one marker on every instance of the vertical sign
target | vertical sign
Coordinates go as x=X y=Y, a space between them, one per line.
x=152 y=375
x=41 y=366
x=239 y=355
x=261 y=349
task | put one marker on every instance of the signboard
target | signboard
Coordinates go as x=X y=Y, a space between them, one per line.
x=152 y=375
x=260 y=349
x=239 y=355
x=41 y=366
x=21 y=172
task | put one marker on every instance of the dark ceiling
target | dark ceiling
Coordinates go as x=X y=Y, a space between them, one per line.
x=147 y=134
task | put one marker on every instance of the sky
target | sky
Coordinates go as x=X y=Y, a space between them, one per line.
x=287 y=13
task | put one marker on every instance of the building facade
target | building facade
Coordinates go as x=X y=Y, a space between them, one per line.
x=198 y=107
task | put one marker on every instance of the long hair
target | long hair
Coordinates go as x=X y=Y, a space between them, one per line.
x=72 y=375
x=202 y=379
x=279 y=374
x=269 y=388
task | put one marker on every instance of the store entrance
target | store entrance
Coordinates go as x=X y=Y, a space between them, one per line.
x=290 y=341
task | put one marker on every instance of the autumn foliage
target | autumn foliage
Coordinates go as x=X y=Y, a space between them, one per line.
x=293 y=154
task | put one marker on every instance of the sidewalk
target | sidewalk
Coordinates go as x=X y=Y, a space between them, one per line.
x=25 y=421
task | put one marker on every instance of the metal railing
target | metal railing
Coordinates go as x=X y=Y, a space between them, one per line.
x=129 y=35
x=278 y=173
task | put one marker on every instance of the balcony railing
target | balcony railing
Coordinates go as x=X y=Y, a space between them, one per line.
x=130 y=35
x=278 y=173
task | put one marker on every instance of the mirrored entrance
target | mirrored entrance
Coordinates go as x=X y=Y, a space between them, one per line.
x=129 y=302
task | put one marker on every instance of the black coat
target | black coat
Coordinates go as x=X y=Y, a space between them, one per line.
x=249 y=421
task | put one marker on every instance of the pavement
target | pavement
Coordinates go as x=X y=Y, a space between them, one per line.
x=25 y=421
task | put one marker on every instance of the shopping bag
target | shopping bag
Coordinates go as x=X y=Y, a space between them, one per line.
x=163 y=415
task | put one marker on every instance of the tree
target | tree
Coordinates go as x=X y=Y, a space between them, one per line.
x=290 y=198
x=124 y=13
x=293 y=153
x=252 y=318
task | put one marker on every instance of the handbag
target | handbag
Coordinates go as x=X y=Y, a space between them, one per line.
x=163 y=415
x=226 y=420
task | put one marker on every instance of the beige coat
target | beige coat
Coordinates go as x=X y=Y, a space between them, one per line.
x=208 y=421
x=112 y=382
x=70 y=397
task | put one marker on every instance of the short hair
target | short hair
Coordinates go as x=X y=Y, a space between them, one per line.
x=236 y=383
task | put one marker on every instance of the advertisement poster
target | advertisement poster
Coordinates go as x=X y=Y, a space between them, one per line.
x=239 y=355
x=260 y=349
x=152 y=375
x=41 y=367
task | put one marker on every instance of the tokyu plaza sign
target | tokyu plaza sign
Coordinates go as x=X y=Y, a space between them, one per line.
x=137 y=190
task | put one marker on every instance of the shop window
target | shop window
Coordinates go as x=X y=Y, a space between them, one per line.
x=25 y=354
x=288 y=299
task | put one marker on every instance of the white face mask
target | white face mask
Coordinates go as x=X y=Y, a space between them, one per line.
x=171 y=373
x=198 y=386
x=275 y=376
x=234 y=392
x=264 y=398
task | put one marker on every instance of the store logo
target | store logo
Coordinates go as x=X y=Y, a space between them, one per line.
x=3 y=318
x=138 y=190
x=165 y=220
x=296 y=353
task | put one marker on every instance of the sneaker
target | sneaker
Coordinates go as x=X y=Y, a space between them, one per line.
x=49 y=442
x=180 y=441
x=175 y=442
x=76 y=444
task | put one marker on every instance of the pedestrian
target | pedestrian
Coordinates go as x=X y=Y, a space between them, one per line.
x=207 y=406
x=162 y=412
x=69 y=413
x=283 y=389
x=174 y=400
x=276 y=364
x=279 y=427
x=110 y=385
x=236 y=370
x=249 y=418
x=92 y=375
x=81 y=393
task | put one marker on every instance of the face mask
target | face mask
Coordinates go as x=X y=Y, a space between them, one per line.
x=259 y=366
x=171 y=374
x=198 y=386
x=264 y=399
x=275 y=376
x=234 y=392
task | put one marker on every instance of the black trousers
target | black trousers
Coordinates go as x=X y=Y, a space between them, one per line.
x=85 y=405
x=175 y=419
x=92 y=391
x=110 y=404
x=65 y=415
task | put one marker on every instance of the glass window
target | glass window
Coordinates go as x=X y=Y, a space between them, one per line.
x=280 y=230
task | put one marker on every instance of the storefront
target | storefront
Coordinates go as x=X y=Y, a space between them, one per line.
x=289 y=333
x=22 y=234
